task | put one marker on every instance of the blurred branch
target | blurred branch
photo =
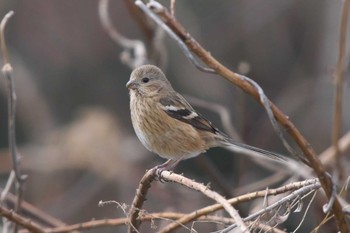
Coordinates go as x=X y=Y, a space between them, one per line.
x=148 y=217
x=172 y=7
x=192 y=45
x=7 y=72
x=339 y=77
x=343 y=145
x=221 y=110
x=18 y=219
x=157 y=53
x=141 y=19
x=30 y=210
x=134 y=53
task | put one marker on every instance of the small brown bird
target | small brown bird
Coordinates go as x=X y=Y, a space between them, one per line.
x=167 y=125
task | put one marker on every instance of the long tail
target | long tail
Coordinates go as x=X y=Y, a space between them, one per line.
x=254 y=151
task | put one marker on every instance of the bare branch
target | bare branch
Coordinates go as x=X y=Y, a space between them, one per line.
x=170 y=176
x=172 y=7
x=7 y=72
x=192 y=45
x=240 y=199
x=280 y=202
x=173 y=35
x=134 y=53
x=339 y=76
x=18 y=219
x=343 y=145
x=139 y=199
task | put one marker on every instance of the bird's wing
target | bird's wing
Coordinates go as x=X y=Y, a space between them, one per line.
x=177 y=107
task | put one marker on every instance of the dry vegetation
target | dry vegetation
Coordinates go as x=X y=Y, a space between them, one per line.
x=70 y=162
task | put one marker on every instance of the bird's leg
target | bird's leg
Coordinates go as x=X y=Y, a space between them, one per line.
x=168 y=165
x=164 y=166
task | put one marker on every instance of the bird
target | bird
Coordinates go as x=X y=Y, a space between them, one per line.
x=167 y=125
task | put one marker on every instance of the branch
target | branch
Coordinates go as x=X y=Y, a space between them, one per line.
x=170 y=176
x=280 y=202
x=236 y=79
x=18 y=219
x=7 y=72
x=135 y=53
x=339 y=77
x=139 y=199
x=236 y=200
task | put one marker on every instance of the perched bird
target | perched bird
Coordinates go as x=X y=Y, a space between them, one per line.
x=167 y=125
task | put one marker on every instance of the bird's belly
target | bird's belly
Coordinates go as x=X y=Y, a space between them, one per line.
x=171 y=141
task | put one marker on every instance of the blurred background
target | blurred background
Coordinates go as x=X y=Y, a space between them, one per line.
x=73 y=123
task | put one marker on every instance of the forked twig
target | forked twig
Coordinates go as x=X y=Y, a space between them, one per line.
x=280 y=202
x=240 y=199
x=169 y=176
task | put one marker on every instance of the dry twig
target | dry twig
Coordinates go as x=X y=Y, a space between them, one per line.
x=18 y=219
x=169 y=176
x=339 y=76
x=135 y=53
x=7 y=72
x=139 y=199
x=240 y=199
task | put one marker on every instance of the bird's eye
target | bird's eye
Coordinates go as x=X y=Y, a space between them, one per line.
x=145 y=80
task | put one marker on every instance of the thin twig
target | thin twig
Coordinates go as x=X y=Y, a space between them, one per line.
x=172 y=7
x=173 y=35
x=222 y=111
x=339 y=77
x=170 y=176
x=7 y=72
x=8 y=186
x=233 y=201
x=209 y=60
x=298 y=193
x=343 y=145
x=93 y=224
x=18 y=219
x=135 y=53
x=139 y=199
x=33 y=211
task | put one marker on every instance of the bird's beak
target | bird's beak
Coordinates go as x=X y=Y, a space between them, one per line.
x=132 y=85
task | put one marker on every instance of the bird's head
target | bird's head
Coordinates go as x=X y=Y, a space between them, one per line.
x=147 y=81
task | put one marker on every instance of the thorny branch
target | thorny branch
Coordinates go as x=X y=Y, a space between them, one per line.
x=192 y=45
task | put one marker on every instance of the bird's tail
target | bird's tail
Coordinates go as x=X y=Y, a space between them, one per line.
x=253 y=151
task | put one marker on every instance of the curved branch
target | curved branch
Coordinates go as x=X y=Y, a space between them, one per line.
x=139 y=199
x=170 y=176
x=236 y=79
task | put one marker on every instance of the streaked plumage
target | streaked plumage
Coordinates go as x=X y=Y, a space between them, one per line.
x=166 y=123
